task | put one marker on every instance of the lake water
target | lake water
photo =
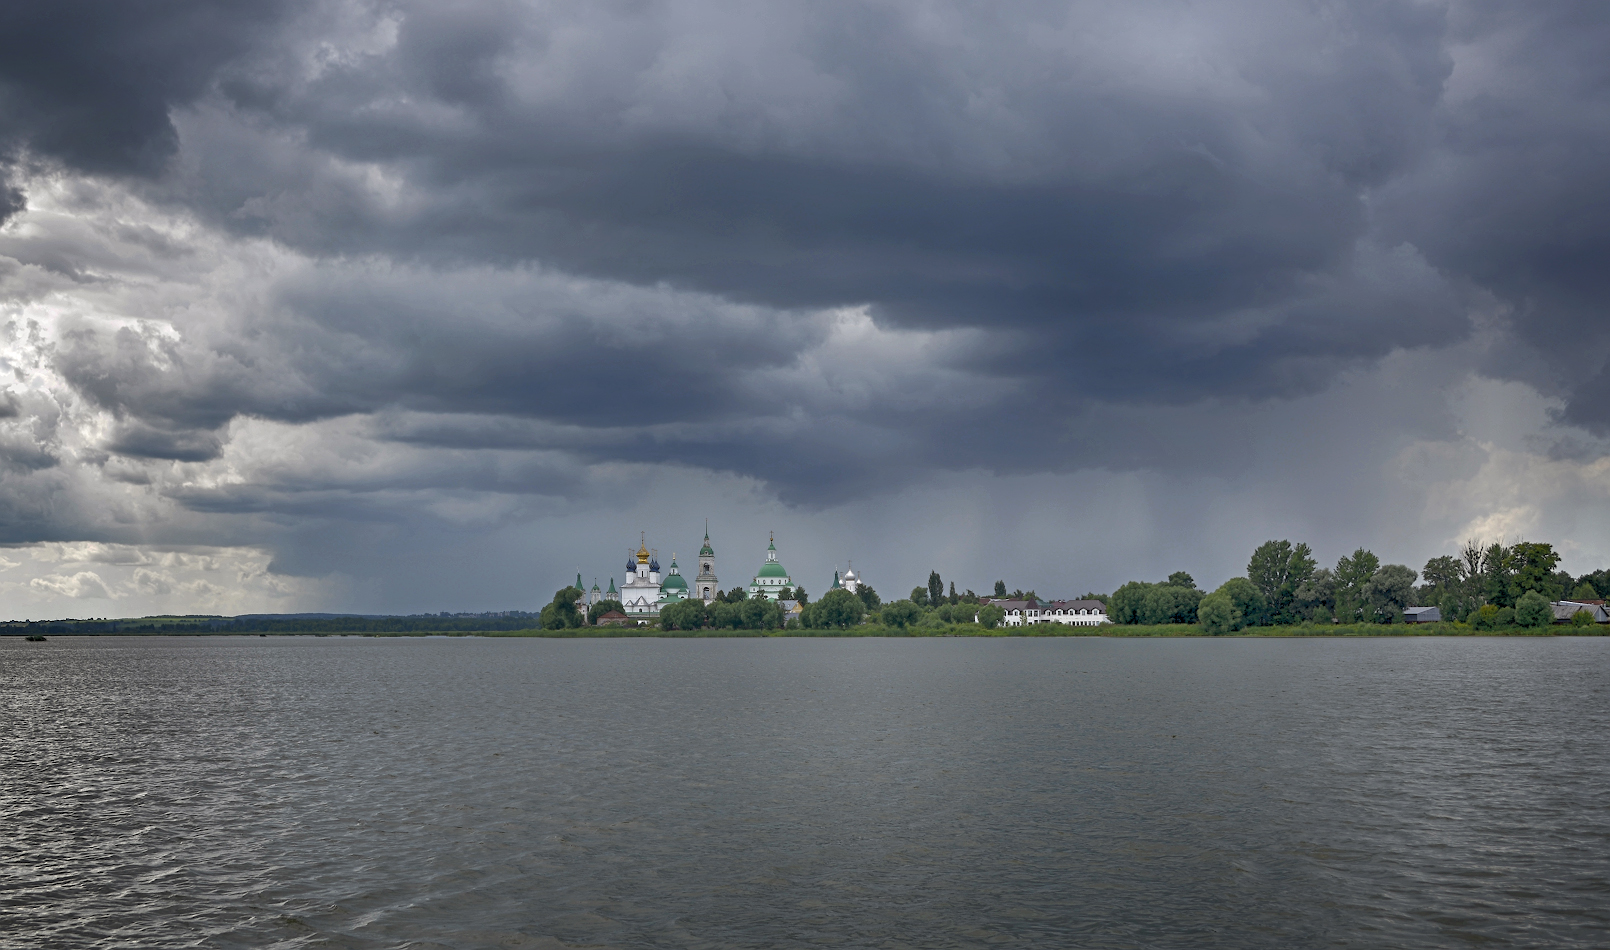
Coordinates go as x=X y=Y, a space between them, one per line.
x=304 y=792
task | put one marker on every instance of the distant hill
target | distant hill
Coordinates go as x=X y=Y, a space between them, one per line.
x=305 y=623
x=311 y=616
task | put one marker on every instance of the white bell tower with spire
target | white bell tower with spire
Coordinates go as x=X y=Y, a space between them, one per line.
x=705 y=585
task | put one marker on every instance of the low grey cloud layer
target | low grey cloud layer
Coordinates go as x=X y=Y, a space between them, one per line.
x=312 y=282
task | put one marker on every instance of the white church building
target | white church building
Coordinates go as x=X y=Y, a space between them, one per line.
x=772 y=578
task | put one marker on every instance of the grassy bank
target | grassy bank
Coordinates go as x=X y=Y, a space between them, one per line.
x=864 y=630
x=1058 y=630
x=1355 y=630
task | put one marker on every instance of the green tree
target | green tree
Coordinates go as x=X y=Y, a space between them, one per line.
x=1247 y=600
x=1485 y=617
x=990 y=616
x=801 y=596
x=761 y=614
x=1448 y=588
x=1582 y=618
x=954 y=598
x=1316 y=598
x=562 y=613
x=1000 y=588
x=837 y=608
x=919 y=596
x=603 y=607
x=901 y=613
x=1277 y=569
x=1600 y=582
x=869 y=597
x=1495 y=576
x=1128 y=603
x=684 y=615
x=1388 y=591
x=1352 y=573
x=725 y=615
x=787 y=593
x=1584 y=591
x=1531 y=567
x=1471 y=557
x=1217 y=614
x=1171 y=603
x=1440 y=574
x=1532 y=610
x=936 y=589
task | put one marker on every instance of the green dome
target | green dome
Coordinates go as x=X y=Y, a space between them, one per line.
x=771 y=569
x=675 y=582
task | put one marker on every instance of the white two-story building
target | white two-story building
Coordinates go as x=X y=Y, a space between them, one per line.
x=1078 y=613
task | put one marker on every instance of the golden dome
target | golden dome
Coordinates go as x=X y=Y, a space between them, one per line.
x=642 y=552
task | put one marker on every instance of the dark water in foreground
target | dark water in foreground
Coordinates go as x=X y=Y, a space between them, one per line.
x=788 y=793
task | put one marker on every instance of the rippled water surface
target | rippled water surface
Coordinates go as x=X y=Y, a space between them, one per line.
x=338 y=792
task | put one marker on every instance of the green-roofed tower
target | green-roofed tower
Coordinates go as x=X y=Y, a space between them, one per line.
x=772 y=577
x=675 y=587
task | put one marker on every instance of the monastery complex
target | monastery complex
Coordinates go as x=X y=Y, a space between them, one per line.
x=645 y=590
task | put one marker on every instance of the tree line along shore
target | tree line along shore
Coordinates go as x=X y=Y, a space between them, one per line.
x=1493 y=589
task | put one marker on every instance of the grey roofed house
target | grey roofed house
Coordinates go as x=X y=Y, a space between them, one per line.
x=1564 y=610
x=1422 y=614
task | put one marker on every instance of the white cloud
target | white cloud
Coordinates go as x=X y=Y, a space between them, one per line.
x=152 y=583
x=81 y=586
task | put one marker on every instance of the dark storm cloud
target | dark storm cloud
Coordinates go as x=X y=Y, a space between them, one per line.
x=137 y=440
x=349 y=340
x=12 y=200
x=89 y=83
x=1516 y=197
x=1096 y=209
x=1152 y=203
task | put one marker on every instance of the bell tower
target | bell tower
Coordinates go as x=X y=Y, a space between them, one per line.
x=705 y=585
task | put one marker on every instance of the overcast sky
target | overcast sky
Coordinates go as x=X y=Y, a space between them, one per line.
x=398 y=307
